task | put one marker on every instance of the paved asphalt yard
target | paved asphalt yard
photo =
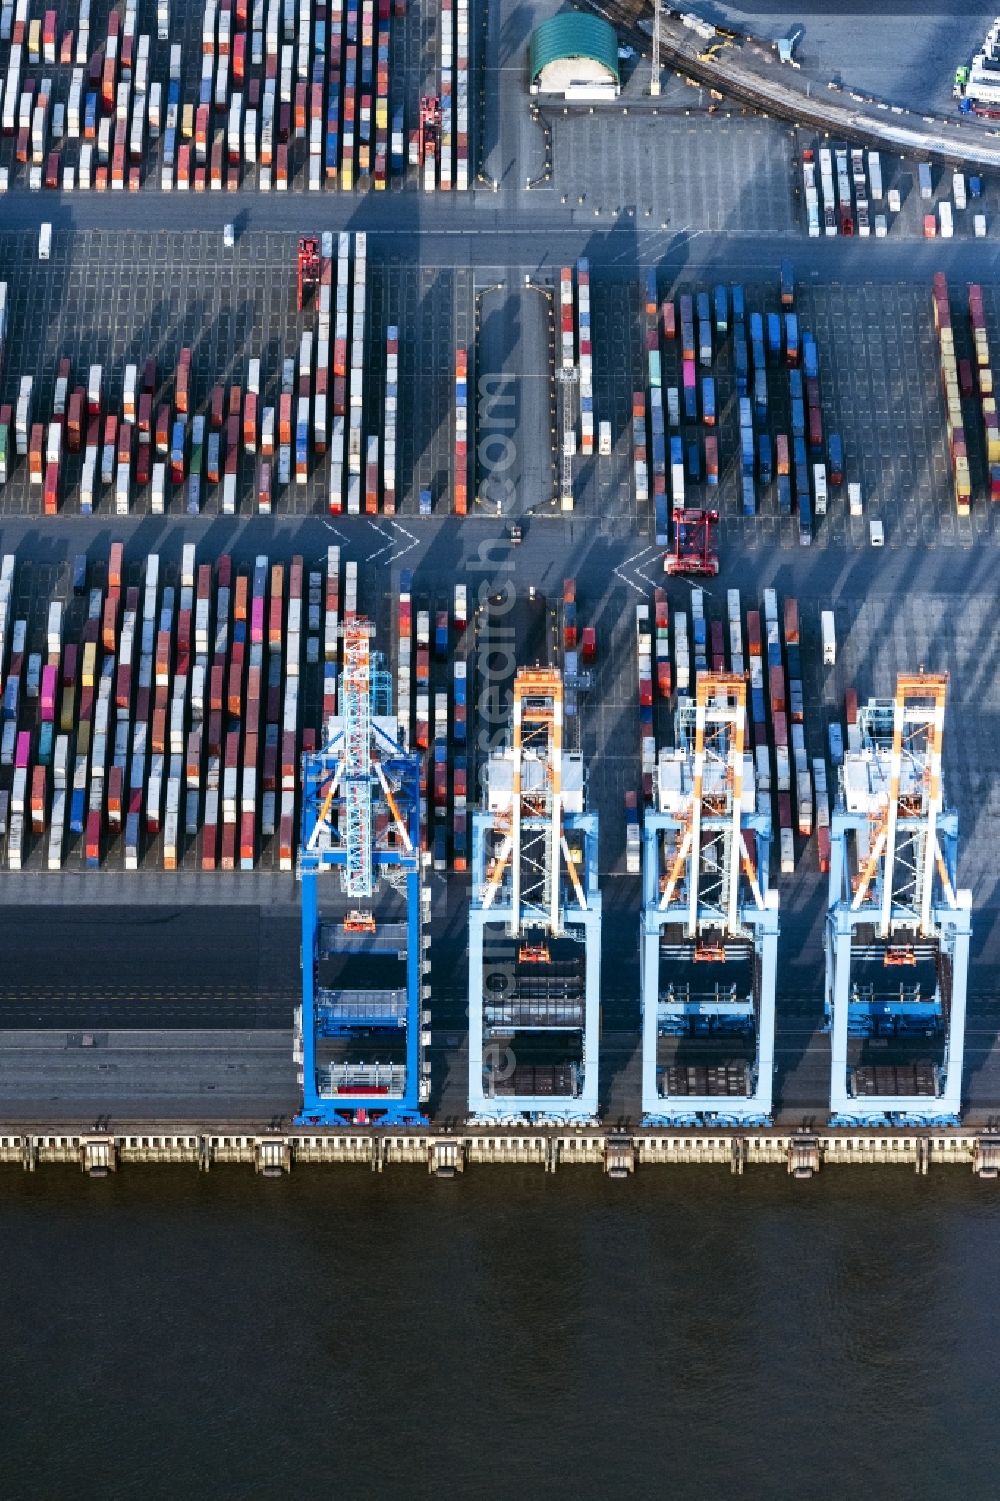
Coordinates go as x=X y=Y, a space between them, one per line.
x=171 y=994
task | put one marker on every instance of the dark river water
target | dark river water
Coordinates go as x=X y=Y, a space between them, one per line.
x=685 y=1334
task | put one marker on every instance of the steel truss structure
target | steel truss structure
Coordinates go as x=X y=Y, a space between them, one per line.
x=706 y=902
x=534 y=920
x=896 y=910
x=361 y=819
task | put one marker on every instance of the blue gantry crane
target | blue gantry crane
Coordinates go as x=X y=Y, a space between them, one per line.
x=361 y=1027
x=534 y=922
x=709 y=927
x=898 y=926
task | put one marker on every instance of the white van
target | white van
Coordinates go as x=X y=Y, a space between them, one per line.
x=875 y=533
x=45 y=242
x=829 y=638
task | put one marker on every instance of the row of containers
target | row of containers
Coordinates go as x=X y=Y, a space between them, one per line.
x=162 y=439
x=844 y=194
x=282 y=88
x=460 y=504
x=674 y=645
x=164 y=716
x=682 y=432
x=576 y=353
x=432 y=714
x=833 y=211
x=452 y=155
x=970 y=379
x=943 y=222
x=161 y=721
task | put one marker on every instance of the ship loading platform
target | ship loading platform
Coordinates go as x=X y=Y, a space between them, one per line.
x=271 y=1151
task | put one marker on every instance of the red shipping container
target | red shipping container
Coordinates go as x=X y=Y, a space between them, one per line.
x=791 y=622
x=209 y=844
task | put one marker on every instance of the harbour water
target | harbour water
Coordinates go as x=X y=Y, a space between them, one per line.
x=682 y=1334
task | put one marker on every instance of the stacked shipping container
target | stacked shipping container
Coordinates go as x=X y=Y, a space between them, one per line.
x=294 y=86
x=957 y=448
x=983 y=377
x=177 y=710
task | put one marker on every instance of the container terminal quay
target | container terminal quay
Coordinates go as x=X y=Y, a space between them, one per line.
x=497 y=592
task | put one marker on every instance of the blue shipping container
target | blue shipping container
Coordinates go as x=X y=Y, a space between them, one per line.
x=740 y=351
x=721 y=310
x=749 y=496
x=760 y=395
x=784 y=495
x=662 y=521
x=77 y=810
x=791 y=336
x=810 y=356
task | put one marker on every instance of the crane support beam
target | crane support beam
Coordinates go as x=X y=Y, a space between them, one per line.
x=894 y=909
x=534 y=922
x=361 y=1060
x=707 y=911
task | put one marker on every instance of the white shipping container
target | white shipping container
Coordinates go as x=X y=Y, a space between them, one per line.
x=829 y=634
x=787 y=849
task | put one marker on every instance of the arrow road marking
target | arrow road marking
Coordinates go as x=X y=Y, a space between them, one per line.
x=620 y=570
x=411 y=544
x=382 y=533
x=653 y=583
